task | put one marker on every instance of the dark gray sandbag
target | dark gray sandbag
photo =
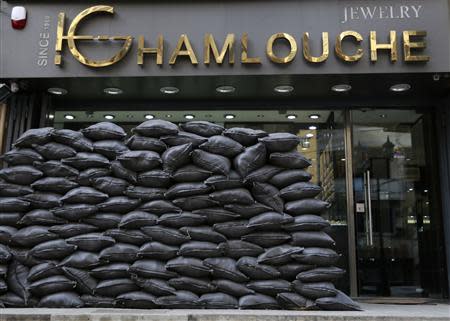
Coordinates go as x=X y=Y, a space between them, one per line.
x=11 y=300
x=307 y=222
x=157 y=250
x=50 y=285
x=291 y=160
x=119 y=252
x=165 y=235
x=180 y=300
x=135 y=237
x=55 y=151
x=262 y=174
x=280 y=142
x=52 y=250
x=10 y=218
x=198 y=286
x=145 y=193
x=233 y=196
x=232 y=288
x=195 y=202
x=136 y=300
x=110 y=185
x=6 y=234
x=266 y=239
x=14 y=204
x=190 y=173
x=5 y=254
x=212 y=162
x=74 y=212
x=290 y=176
x=233 y=229
x=291 y=301
x=314 y=290
x=21 y=175
x=183 y=138
x=268 y=195
x=103 y=221
x=156 y=178
x=156 y=128
x=178 y=220
x=17 y=280
x=279 y=255
x=86 y=176
x=21 y=156
x=42 y=200
x=81 y=260
x=22 y=255
x=110 y=148
x=188 y=266
x=216 y=214
x=119 y=204
x=104 y=131
x=340 y=302
x=115 y=287
x=269 y=221
x=202 y=128
x=203 y=233
x=270 y=287
x=201 y=250
x=258 y=302
x=85 y=195
x=137 y=219
x=3 y=289
x=35 y=136
x=306 y=206
x=137 y=142
x=250 y=267
x=159 y=207
x=237 y=249
x=13 y=190
x=312 y=239
x=317 y=256
x=187 y=189
x=111 y=271
x=158 y=287
x=119 y=171
x=248 y=211
x=250 y=160
x=321 y=274
x=218 y=300
x=151 y=269
x=33 y=235
x=245 y=136
x=225 y=268
x=220 y=182
x=91 y=242
x=84 y=160
x=222 y=145
x=140 y=160
x=43 y=270
x=94 y=301
x=73 y=139
x=72 y=229
x=59 y=185
x=290 y=270
x=177 y=156
x=56 y=169
x=61 y=300
x=300 y=190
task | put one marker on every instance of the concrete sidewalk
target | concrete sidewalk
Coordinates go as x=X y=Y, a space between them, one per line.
x=372 y=312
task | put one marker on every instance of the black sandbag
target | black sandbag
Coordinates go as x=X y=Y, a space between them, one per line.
x=61 y=300
x=250 y=267
x=203 y=233
x=55 y=151
x=50 y=285
x=201 y=250
x=315 y=290
x=340 y=302
x=233 y=229
x=22 y=255
x=119 y=252
x=56 y=169
x=110 y=148
x=35 y=136
x=290 y=270
x=321 y=274
x=136 y=300
x=300 y=190
x=258 y=302
x=317 y=256
x=222 y=145
x=291 y=301
x=165 y=235
x=13 y=204
x=225 y=267
x=290 y=176
x=312 y=239
x=198 y=286
x=156 y=128
x=159 y=207
x=17 y=280
x=248 y=211
x=74 y=212
x=220 y=182
x=189 y=266
x=178 y=220
x=135 y=237
x=103 y=221
x=268 y=195
x=52 y=250
x=280 y=142
x=279 y=255
x=137 y=219
x=121 y=172
x=54 y=184
x=21 y=175
x=21 y=156
x=245 y=136
x=177 y=156
x=43 y=270
x=42 y=200
x=111 y=271
x=145 y=193
x=11 y=300
x=5 y=254
x=10 y=218
x=291 y=160
x=110 y=185
x=140 y=160
x=187 y=189
x=104 y=131
x=137 y=142
x=155 y=178
x=190 y=173
x=212 y=162
x=115 y=287
x=96 y=301
x=216 y=214
x=202 y=128
x=6 y=234
x=151 y=269
x=81 y=260
x=233 y=196
x=262 y=174
x=13 y=190
x=218 y=300
x=3 y=290
x=73 y=139
x=307 y=222
x=183 y=138
x=91 y=242
x=158 y=287
x=157 y=250
x=236 y=249
x=267 y=239
x=69 y=230
x=85 y=195
x=84 y=160
x=180 y=300
x=119 y=204
x=306 y=206
x=232 y=288
x=85 y=177
x=33 y=235
x=250 y=160
x=269 y=221
x=194 y=202
x=270 y=287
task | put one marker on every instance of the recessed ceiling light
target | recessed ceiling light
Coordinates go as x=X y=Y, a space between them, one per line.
x=69 y=117
x=309 y=135
x=169 y=90
x=291 y=116
x=51 y=116
x=343 y=159
x=149 y=116
x=109 y=117
x=284 y=89
x=230 y=116
x=225 y=89
x=189 y=116
x=383 y=115
x=400 y=87
x=425 y=191
x=57 y=91
x=341 y=88
x=168 y=116
x=113 y=91
x=410 y=189
x=314 y=116
x=312 y=127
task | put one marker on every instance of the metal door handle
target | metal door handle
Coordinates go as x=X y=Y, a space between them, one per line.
x=368 y=204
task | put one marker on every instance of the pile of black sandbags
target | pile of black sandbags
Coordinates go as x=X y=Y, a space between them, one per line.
x=189 y=217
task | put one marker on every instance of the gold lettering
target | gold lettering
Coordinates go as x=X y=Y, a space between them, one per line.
x=340 y=53
x=292 y=44
x=392 y=46
x=245 y=59
x=183 y=41
x=159 y=51
x=409 y=45
x=325 y=48
x=210 y=45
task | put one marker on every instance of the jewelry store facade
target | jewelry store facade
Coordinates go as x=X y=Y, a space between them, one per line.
x=364 y=84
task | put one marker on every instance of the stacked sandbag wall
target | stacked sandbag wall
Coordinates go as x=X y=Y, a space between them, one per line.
x=194 y=216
